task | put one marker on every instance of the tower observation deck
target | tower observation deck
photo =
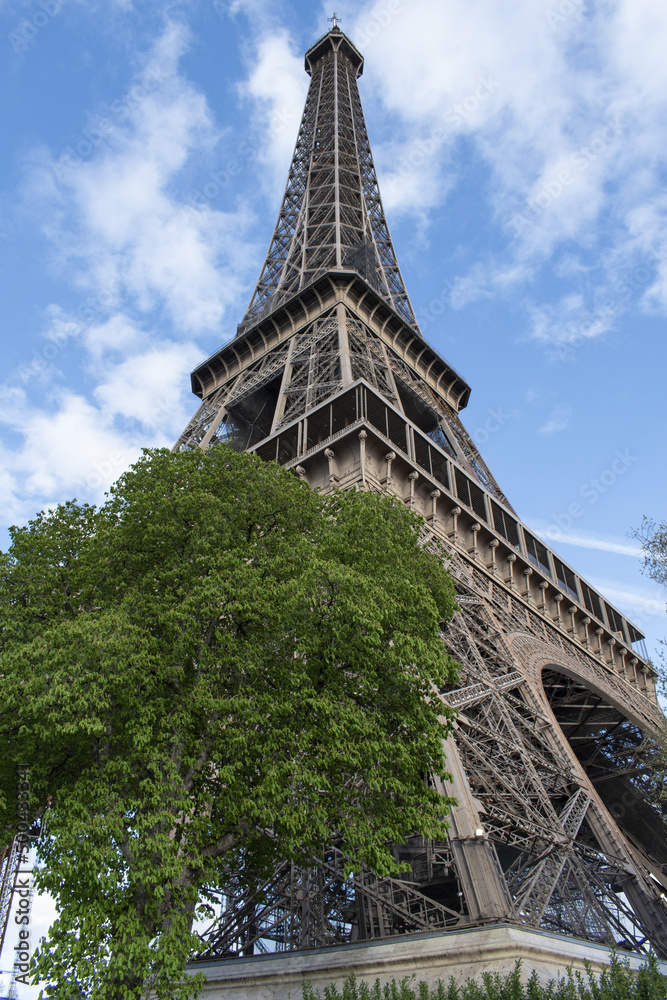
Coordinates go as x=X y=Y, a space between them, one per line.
x=559 y=725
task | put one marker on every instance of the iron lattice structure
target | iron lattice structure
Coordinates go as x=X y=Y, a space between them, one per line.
x=12 y=859
x=10 y=862
x=332 y=214
x=553 y=760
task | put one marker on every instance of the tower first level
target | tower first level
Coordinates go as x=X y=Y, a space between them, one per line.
x=339 y=345
x=559 y=732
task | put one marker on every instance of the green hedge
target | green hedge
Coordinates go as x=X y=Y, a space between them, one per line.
x=617 y=982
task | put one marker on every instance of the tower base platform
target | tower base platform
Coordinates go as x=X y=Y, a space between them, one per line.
x=462 y=954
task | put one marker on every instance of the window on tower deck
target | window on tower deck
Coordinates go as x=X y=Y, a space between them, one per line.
x=385 y=419
x=422 y=453
x=344 y=411
x=615 y=621
x=287 y=445
x=396 y=430
x=591 y=600
x=505 y=524
x=470 y=494
x=537 y=553
x=439 y=468
x=416 y=409
x=438 y=436
x=637 y=640
x=566 y=579
x=319 y=425
x=423 y=416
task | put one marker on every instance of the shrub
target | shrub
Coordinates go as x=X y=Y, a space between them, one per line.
x=618 y=982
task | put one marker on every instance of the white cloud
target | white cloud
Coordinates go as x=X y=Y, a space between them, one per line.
x=113 y=216
x=569 y=129
x=589 y=542
x=276 y=89
x=69 y=445
x=568 y=322
x=148 y=387
x=116 y=336
x=78 y=445
x=647 y=225
x=445 y=78
x=248 y=7
x=72 y=445
x=558 y=421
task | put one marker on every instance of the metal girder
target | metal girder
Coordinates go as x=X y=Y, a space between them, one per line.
x=369 y=360
x=314 y=370
x=477 y=692
x=315 y=362
x=469 y=451
x=325 y=905
x=534 y=898
x=204 y=419
x=563 y=876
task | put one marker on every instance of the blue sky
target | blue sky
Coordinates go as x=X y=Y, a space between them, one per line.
x=520 y=153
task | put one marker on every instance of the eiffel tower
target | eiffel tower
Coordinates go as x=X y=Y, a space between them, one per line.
x=559 y=725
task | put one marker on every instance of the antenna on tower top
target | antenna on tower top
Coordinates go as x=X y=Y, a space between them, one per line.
x=334 y=20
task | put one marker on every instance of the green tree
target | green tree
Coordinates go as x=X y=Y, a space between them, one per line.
x=653 y=538
x=218 y=668
x=654 y=543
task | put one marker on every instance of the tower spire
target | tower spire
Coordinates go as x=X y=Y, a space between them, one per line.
x=331 y=217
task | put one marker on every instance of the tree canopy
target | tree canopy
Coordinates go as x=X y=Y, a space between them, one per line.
x=654 y=544
x=218 y=664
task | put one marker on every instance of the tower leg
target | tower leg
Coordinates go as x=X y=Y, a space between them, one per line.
x=482 y=882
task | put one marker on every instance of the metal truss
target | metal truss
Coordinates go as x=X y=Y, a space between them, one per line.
x=202 y=421
x=205 y=427
x=566 y=866
x=369 y=359
x=326 y=905
x=331 y=215
x=404 y=374
x=313 y=372
x=609 y=746
x=473 y=457
x=271 y=392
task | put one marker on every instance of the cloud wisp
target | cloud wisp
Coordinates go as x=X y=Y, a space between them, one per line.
x=552 y=534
